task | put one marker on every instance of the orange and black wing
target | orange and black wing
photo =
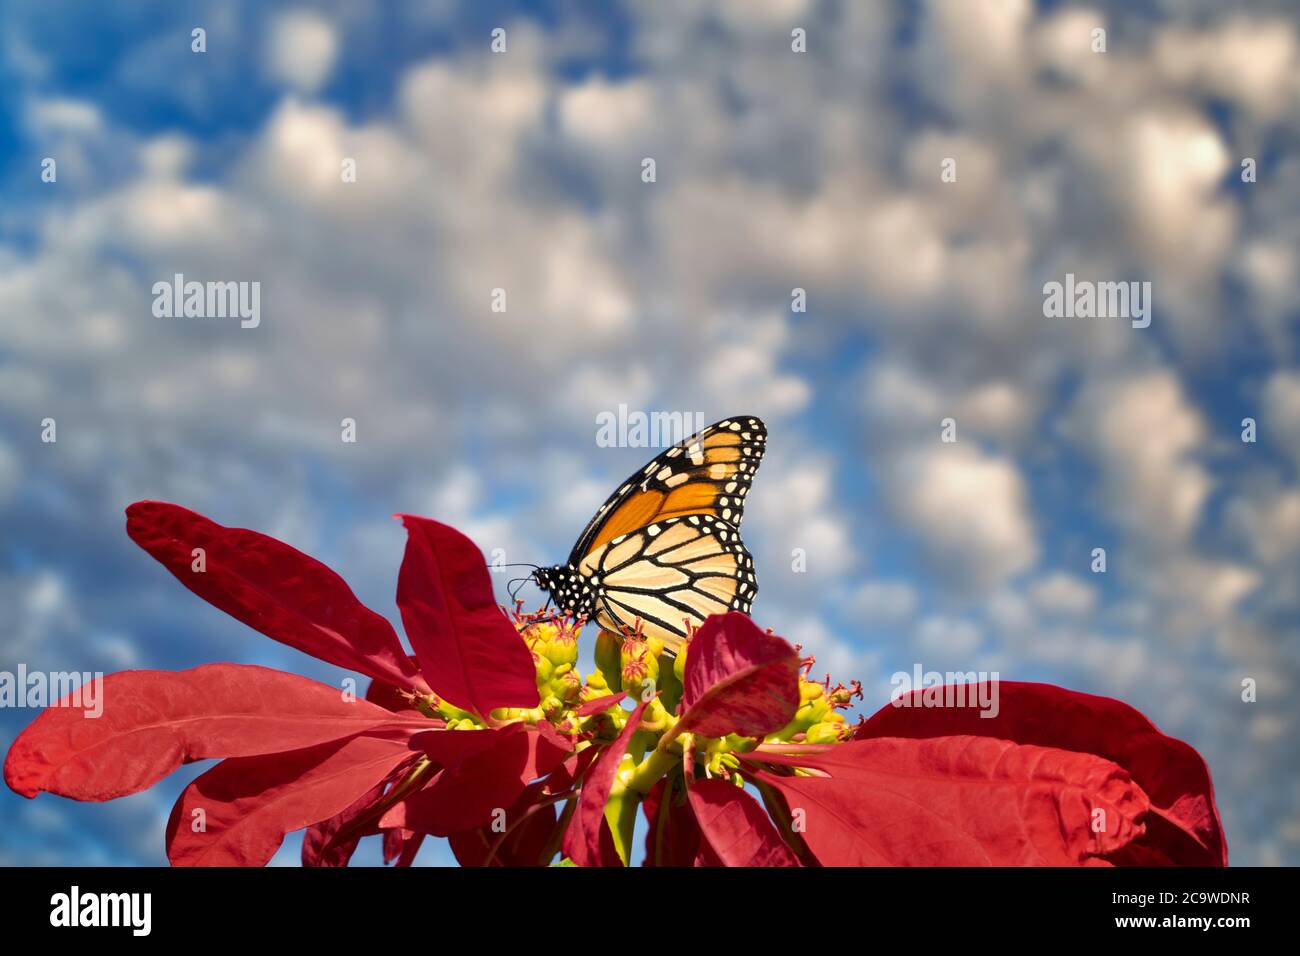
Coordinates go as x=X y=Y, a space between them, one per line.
x=709 y=473
x=670 y=572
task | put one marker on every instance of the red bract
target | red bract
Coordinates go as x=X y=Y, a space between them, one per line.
x=273 y=588
x=968 y=801
x=739 y=680
x=736 y=830
x=1183 y=826
x=588 y=841
x=460 y=636
x=488 y=735
x=158 y=720
x=300 y=753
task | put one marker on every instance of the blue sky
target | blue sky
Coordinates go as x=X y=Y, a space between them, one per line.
x=775 y=170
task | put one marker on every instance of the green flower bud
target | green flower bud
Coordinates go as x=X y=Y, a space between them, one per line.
x=679 y=664
x=828 y=732
x=609 y=660
x=563 y=648
x=640 y=666
x=671 y=686
x=567 y=686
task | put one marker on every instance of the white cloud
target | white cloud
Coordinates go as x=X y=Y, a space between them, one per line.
x=608 y=115
x=970 y=509
x=1063 y=594
x=1146 y=434
x=883 y=603
x=1280 y=426
x=1203 y=593
x=743 y=14
x=1253 y=61
x=1267 y=522
x=301 y=49
x=776 y=170
x=982 y=38
x=947 y=640
x=11 y=473
x=62 y=115
x=792 y=506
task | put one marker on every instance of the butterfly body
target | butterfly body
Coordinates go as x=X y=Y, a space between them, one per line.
x=665 y=548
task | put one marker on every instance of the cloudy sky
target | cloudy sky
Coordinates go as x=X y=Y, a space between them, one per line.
x=775 y=170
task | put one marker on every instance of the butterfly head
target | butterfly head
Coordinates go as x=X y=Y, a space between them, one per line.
x=564 y=585
x=544 y=578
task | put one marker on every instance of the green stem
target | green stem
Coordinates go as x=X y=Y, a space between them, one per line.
x=647 y=773
x=620 y=813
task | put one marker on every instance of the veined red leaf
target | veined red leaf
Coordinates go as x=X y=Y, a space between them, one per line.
x=739 y=679
x=478 y=777
x=587 y=841
x=238 y=812
x=1171 y=772
x=321 y=843
x=273 y=588
x=391 y=698
x=600 y=704
x=154 y=721
x=958 y=801
x=779 y=813
x=529 y=825
x=469 y=651
x=672 y=832
x=574 y=769
x=400 y=846
x=737 y=829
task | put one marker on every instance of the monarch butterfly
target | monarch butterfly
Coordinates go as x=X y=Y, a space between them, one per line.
x=665 y=547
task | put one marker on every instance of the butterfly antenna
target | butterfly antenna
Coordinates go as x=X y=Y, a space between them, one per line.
x=513 y=586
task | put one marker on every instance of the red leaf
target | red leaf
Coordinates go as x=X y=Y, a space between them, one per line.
x=273 y=588
x=739 y=679
x=469 y=651
x=600 y=704
x=672 y=834
x=391 y=698
x=529 y=828
x=321 y=845
x=570 y=773
x=154 y=721
x=587 y=841
x=1171 y=772
x=957 y=801
x=736 y=827
x=478 y=778
x=400 y=846
x=248 y=804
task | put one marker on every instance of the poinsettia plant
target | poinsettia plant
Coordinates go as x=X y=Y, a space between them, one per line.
x=489 y=735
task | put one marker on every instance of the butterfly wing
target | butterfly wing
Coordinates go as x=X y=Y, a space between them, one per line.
x=708 y=473
x=668 y=572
